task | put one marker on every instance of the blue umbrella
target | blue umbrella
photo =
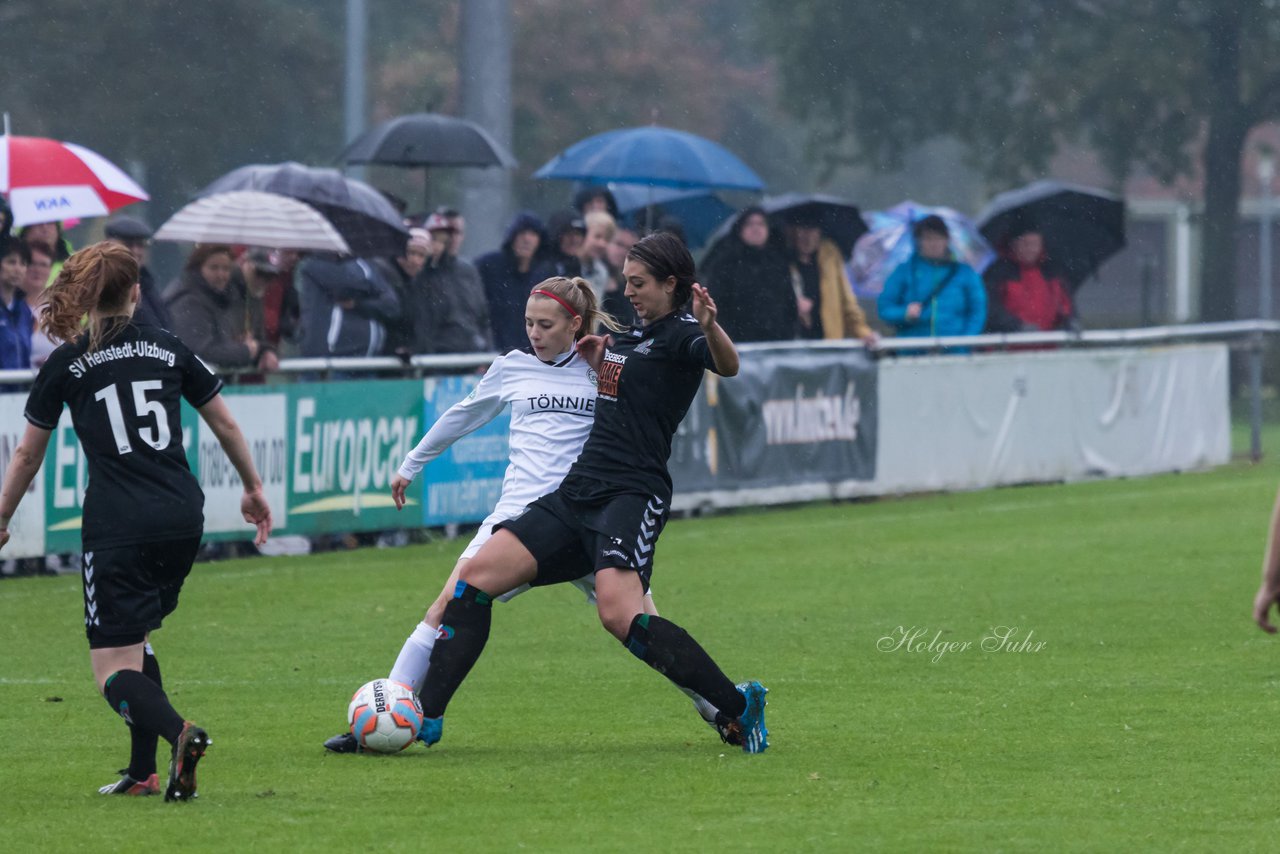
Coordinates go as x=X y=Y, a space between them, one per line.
x=889 y=243
x=699 y=211
x=652 y=155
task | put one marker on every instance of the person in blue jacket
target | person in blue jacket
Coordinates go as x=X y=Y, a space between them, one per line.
x=931 y=293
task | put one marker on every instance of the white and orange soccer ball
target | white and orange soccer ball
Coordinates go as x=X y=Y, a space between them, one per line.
x=385 y=716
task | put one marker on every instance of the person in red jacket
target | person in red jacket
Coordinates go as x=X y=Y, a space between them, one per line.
x=1026 y=291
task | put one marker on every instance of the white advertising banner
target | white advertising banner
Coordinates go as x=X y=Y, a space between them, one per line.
x=262 y=419
x=27 y=528
x=983 y=420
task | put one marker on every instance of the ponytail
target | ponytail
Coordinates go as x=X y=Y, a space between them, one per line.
x=95 y=281
x=577 y=297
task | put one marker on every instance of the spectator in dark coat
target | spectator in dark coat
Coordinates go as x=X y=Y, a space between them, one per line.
x=445 y=302
x=346 y=306
x=135 y=235
x=595 y=198
x=208 y=312
x=509 y=273
x=400 y=272
x=565 y=233
x=749 y=277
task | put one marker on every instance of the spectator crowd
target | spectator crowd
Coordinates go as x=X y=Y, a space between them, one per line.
x=246 y=308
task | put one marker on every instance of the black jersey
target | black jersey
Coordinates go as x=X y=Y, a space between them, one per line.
x=646 y=385
x=125 y=406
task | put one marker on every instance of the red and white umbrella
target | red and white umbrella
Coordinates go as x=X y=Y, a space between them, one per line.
x=47 y=181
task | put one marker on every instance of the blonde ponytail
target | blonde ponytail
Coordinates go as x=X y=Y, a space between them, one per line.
x=578 y=293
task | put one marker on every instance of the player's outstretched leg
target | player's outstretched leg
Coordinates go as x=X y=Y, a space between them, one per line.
x=674 y=653
x=139 y=778
x=464 y=631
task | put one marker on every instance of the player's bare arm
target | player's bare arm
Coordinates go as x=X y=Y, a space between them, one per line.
x=718 y=341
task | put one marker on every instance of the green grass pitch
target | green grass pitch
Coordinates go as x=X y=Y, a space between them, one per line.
x=1144 y=720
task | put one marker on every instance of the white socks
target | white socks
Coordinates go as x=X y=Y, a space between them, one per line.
x=704 y=707
x=415 y=657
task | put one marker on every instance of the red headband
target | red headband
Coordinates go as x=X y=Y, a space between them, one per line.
x=573 y=311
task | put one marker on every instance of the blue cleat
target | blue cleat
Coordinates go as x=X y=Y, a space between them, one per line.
x=432 y=729
x=755 y=735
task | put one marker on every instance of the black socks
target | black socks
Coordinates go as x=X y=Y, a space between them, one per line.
x=142 y=749
x=143 y=704
x=464 y=630
x=671 y=651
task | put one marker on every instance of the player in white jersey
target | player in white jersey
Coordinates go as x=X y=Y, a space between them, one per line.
x=552 y=394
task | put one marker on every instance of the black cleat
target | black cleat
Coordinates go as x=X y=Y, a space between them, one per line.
x=729 y=728
x=343 y=742
x=191 y=745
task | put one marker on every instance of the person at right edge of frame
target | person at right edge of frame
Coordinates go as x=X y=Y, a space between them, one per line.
x=124 y=382
x=614 y=502
x=1269 y=591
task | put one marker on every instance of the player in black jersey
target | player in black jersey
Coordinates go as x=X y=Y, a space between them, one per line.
x=615 y=500
x=143 y=509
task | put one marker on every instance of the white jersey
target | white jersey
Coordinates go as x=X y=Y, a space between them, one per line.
x=552 y=409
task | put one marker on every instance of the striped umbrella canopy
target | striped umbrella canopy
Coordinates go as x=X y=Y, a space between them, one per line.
x=49 y=181
x=253 y=218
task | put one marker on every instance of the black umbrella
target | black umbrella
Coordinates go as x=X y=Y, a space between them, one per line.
x=839 y=219
x=368 y=222
x=428 y=139
x=1081 y=226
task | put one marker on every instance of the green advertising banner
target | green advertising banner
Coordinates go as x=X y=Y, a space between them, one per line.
x=344 y=442
x=326 y=453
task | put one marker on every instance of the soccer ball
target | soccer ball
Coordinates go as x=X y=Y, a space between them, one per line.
x=385 y=716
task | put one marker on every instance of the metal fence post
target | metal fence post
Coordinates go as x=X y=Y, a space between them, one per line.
x=1255 y=396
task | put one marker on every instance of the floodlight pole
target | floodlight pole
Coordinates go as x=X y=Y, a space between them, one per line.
x=353 y=113
x=485 y=80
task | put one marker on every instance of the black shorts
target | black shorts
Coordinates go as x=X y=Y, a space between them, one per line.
x=129 y=590
x=564 y=535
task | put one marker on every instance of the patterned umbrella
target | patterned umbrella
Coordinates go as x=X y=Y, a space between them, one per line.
x=878 y=252
x=49 y=181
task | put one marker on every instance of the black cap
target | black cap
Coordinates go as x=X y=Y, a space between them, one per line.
x=127 y=228
x=263 y=260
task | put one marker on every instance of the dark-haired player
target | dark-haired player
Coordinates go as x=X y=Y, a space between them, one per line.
x=143 y=509
x=615 y=500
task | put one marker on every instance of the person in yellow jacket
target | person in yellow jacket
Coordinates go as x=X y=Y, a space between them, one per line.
x=828 y=308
